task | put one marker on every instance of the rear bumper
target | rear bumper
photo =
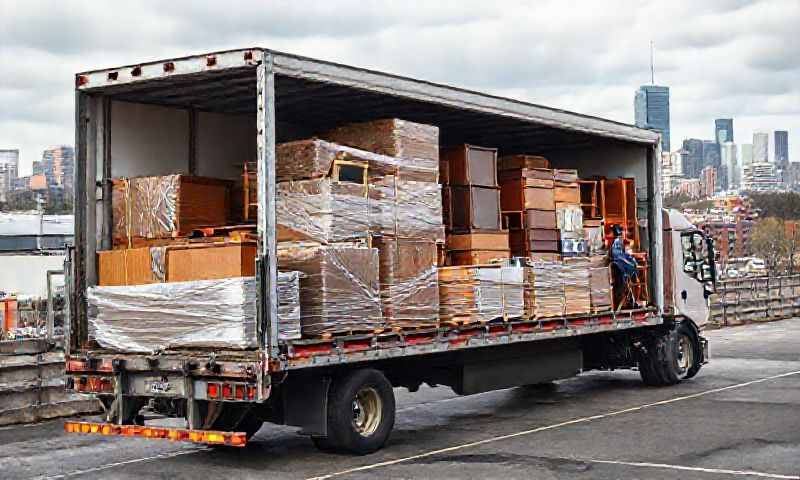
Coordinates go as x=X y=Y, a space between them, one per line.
x=209 y=437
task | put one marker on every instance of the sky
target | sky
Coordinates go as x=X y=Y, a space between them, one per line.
x=724 y=58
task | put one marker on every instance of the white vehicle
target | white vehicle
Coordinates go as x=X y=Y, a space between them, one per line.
x=756 y=267
x=732 y=273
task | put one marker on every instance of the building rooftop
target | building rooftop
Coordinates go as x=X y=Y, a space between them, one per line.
x=25 y=224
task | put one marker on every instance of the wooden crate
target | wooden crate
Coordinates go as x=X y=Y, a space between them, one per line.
x=516 y=195
x=478 y=241
x=512 y=162
x=471 y=165
x=545 y=219
x=474 y=208
x=525 y=242
x=476 y=257
x=567 y=193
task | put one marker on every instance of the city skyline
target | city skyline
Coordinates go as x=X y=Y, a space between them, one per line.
x=590 y=61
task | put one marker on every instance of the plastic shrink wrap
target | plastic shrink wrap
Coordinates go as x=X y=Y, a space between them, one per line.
x=513 y=278
x=206 y=313
x=470 y=294
x=408 y=282
x=321 y=210
x=339 y=291
x=416 y=143
x=569 y=219
x=547 y=289
x=403 y=206
x=166 y=206
x=600 y=282
x=575 y=274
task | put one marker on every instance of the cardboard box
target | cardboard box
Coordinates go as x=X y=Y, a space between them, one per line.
x=478 y=241
x=477 y=257
x=545 y=219
x=408 y=282
x=177 y=263
x=567 y=194
x=167 y=206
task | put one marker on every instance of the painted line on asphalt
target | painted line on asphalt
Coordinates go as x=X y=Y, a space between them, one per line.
x=723 y=471
x=550 y=427
x=119 y=464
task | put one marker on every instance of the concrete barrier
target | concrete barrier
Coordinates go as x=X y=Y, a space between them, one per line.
x=32 y=384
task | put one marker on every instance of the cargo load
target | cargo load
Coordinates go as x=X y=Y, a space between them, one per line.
x=166 y=206
x=547 y=288
x=206 y=313
x=339 y=289
x=577 y=290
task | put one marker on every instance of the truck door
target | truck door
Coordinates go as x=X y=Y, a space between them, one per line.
x=695 y=275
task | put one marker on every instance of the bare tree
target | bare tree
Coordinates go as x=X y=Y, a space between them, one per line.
x=769 y=242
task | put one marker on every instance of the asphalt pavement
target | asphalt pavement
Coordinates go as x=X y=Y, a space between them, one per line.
x=739 y=418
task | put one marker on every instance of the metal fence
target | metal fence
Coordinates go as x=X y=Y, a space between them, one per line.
x=754 y=299
x=32 y=384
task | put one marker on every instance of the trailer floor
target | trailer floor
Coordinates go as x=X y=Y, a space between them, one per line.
x=738 y=419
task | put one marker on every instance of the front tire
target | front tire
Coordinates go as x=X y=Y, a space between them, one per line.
x=361 y=411
x=672 y=357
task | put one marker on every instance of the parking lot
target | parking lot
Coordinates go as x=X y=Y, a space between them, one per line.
x=739 y=418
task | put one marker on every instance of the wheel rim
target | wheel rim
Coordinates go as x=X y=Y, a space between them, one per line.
x=367 y=411
x=685 y=353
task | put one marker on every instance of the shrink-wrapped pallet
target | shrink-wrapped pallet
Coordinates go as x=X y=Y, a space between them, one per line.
x=569 y=219
x=600 y=283
x=416 y=143
x=166 y=206
x=404 y=207
x=547 y=289
x=304 y=159
x=339 y=289
x=575 y=274
x=513 y=284
x=322 y=210
x=205 y=313
x=470 y=294
x=408 y=282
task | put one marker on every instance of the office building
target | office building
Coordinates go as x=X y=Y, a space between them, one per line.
x=723 y=130
x=9 y=169
x=711 y=154
x=760 y=177
x=760 y=147
x=692 y=157
x=782 y=149
x=651 y=109
x=730 y=165
x=747 y=154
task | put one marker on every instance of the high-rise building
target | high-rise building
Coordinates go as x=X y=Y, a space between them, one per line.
x=747 y=154
x=651 y=109
x=782 y=149
x=760 y=176
x=760 y=147
x=9 y=169
x=723 y=130
x=711 y=154
x=729 y=162
x=692 y=157
x=708 y=181
x=58 y=164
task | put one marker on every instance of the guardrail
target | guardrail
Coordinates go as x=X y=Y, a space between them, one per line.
x=32 y=383
x=754 y=299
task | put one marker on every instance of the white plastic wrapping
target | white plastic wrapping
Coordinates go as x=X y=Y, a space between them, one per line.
x=206 y=313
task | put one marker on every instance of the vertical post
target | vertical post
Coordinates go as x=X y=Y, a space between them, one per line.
x=268 y=298
x=78 y=301
x=90 y=198
x=192 y=141
x=655 y=227
x=108 y=214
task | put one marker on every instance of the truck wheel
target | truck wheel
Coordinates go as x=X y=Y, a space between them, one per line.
x=671 y=358
x=360 y=413
x=689 y=353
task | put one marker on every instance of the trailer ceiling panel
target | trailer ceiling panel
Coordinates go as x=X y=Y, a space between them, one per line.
x=317 y=96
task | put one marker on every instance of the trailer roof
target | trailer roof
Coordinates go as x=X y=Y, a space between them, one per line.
x=225 y=82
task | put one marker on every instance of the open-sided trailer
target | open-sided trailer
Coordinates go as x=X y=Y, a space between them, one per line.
x=198 y=114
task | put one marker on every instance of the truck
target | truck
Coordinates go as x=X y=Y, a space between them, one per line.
x=194 y=114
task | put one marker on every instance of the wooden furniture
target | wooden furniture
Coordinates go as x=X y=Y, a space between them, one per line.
x=471 y=165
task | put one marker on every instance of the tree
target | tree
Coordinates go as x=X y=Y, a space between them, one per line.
x=782 y=205
x=768 y=241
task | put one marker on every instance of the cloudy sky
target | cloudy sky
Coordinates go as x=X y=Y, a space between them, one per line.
x=726 y=58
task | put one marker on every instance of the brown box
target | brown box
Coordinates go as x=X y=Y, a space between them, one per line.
x=415 y=142
x=515 y=195
x=532 y=177
x=567 y=194
x=512 y=162
x=471 y=165
x=540 y=219
x=474 y=208
x=565 y=175
x=175 y=263
x=476 y=257
x=167 y=206
x=478 y=241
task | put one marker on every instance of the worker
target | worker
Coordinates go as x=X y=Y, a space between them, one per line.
x=624 y=262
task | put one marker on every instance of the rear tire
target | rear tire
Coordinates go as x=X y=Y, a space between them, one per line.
x=361 y=411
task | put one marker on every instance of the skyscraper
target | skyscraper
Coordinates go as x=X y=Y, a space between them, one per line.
x=747 y=154
x=723 y=130
x=760 y=147
x=730 y=163
x=711 y=154
x=9 y=169
x=651 y=109
x=692 y=157
x=782 y=149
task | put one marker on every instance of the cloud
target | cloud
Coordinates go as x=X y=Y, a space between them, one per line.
x=724 y=58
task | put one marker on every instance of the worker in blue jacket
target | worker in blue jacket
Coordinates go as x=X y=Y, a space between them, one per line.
x=621 y=258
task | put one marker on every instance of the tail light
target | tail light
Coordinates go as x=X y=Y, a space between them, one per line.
x=233 y=439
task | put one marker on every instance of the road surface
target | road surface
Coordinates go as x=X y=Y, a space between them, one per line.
x=740 y=418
